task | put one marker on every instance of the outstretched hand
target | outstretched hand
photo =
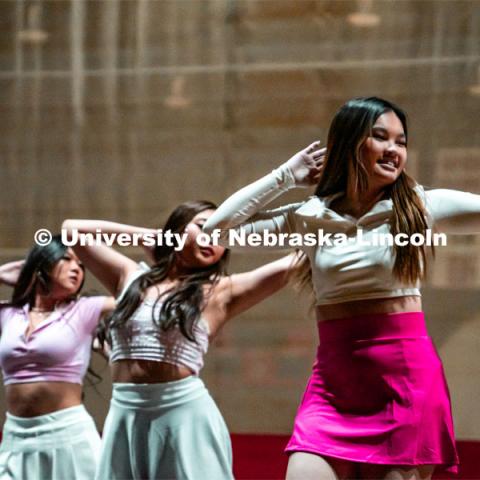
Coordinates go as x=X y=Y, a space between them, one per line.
x=306 y=165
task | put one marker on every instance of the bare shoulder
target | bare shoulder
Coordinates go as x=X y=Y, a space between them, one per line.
x=216 y=302
x=217 y=294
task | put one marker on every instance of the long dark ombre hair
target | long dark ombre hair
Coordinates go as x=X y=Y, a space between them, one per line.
x=183 y=304
x=35 y=277
x=350 y=127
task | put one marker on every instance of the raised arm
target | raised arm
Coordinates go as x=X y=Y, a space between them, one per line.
x=105 y=226
x=239 y=292
x=244 y=208
x=110 y=267
x=9 y=272
x=108 y=306
x=453 y=211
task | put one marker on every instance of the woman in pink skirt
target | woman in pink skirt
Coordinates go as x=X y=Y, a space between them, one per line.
x=377 y=405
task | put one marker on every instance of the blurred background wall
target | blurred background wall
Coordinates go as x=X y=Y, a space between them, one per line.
x=122 y=109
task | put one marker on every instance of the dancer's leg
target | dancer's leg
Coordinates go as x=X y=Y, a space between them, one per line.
x=308 y=466
x=386 y=472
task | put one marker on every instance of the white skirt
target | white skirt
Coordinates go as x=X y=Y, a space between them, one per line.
x=170 y=430
x=57 y=446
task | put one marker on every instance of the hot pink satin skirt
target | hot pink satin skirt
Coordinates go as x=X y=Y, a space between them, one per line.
x=377 y=395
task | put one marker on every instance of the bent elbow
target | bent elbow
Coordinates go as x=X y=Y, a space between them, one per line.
x=67 y=224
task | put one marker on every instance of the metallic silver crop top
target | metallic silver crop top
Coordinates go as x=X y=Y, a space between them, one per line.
x=141 y=339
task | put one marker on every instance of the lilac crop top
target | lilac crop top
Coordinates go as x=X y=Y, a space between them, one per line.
x=58 y=350
x=141 y=339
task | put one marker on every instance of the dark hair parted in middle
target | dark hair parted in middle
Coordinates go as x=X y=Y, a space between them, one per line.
x=183 y=304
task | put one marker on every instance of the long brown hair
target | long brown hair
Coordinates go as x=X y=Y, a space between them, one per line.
x=181 y=305
x=350 y=127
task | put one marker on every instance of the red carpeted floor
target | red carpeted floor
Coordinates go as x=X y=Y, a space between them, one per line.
x=261 y=457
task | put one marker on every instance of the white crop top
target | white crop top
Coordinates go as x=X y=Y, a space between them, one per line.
x=341 y=271
x=140 y=338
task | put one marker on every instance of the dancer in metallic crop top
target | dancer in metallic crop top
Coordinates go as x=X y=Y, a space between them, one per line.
x=162 y=422
x=377 y=404
x=45 y=344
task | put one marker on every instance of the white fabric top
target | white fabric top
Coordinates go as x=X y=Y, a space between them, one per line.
x=140 y=338
x=344 y=271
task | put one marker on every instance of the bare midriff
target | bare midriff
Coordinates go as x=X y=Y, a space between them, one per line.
x=410 y=303
x=40 y=398
x=147 y=371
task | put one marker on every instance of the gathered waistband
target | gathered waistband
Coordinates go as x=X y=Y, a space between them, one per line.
x=52 y=430
x=378 y=325
x=65 y=416
x=155 y=395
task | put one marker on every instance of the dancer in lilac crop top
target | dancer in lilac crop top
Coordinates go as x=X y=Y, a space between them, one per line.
x=45 y=342
x=58 y=350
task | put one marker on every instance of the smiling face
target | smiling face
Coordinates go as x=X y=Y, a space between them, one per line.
x=384 y=151
x=66 y=277
x=366 y=148
x=194 y=256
